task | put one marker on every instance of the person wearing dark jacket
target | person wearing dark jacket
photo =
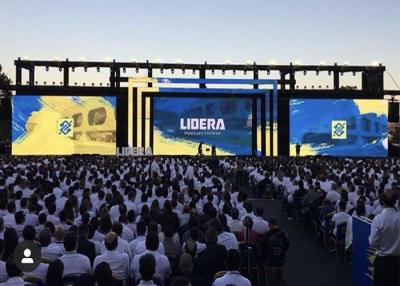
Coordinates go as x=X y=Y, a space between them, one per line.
x=213 y=257
x=85 y=246
x=186 y=271
x=274 y=237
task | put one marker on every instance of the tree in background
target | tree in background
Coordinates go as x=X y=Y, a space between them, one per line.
x=5 y=112
x=5 y=81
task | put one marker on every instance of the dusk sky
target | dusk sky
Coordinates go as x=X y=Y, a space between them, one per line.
x=358 y=32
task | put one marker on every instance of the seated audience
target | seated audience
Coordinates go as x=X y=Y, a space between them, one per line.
x=55 y=272
x=212 y=259
x=103 y=274
x=163 y=268
x=119 y=262
x=74 y=263
x=232 y=276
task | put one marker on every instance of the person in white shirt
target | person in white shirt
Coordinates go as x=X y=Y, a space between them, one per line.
x=236 y=225
x=247 y=211
x=14 y=274
x=9 y=218
x=39 y=273
x=74 y=263
x=141 y=236
x=333 y=196
x=163 y=268
x=31 y=218
x=385 y=238
x=260 y=225
x=49 y=252
x=359 y=212
x=226 y=239
x=119 y=262
x=122 y=246
x=232 y=276
x=340 y=217
x=52 y=217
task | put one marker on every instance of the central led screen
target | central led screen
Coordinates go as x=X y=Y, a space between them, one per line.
x=182 y=123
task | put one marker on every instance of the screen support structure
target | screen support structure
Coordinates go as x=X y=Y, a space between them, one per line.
x=138 y=109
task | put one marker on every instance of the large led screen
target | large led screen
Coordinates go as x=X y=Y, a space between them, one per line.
x=182 y=123
x=63 y=125
x=339 y=127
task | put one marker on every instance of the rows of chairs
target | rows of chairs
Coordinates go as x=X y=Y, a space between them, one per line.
x=253 y=267
x=322 y=231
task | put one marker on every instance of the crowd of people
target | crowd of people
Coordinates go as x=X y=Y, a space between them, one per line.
x=181 y=220
x=131 y=221
x=330 y=192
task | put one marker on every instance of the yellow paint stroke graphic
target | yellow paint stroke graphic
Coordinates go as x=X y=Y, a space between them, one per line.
x=95 y=137
x=380 y=107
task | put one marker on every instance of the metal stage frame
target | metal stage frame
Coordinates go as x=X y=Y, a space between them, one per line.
x=372 y=82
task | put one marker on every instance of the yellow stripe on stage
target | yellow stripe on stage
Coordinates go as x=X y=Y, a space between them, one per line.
x=132 y=83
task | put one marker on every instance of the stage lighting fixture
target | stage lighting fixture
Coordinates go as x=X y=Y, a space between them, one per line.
x=212 y=71
x=92 y=83
x=108 y=84
x=124 y=69
x=47 y=68
x=193 y=71
x=305 y=87
x=44 y=83
x=223 y=72
x=98 y=69
x=312 y=87
x=54 y=82
x=268 y=72
x=305 y=72
x=183 y=71
x=354 y=73
x=234 y=72
x=101 y=84
x=61 y=82
x=76 y=83
x=172 y=71
x=36 y=82
x=73 y=69
x=297 y=87
x=60 y=68
x=319 y=86
x=84 y=84
x=317 y=73
x=85 y=69
x=341 y=73
x=137 y=70
x=327 y=87
x=161 y=70
x=245 y=72
x=329 y=73
x=27 y=82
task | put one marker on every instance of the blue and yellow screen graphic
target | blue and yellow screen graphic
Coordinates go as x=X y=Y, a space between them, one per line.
x=63 y=125
x=339 y=127
x=182 y=123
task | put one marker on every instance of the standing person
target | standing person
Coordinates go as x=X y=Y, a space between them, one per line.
x=385 y=238
x=213 y=151
x=200 y=149
x=298 y=147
